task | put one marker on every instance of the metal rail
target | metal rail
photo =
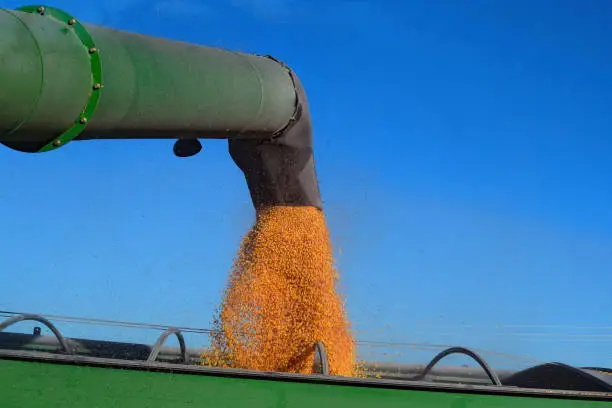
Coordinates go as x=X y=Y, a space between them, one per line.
x=162 y=339
x=32 y=317
x=460 y=350
x=320 y=350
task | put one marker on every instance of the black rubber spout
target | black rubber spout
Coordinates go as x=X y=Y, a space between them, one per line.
x=280 y=171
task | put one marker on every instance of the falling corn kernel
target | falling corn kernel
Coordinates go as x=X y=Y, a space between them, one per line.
x=282 y=298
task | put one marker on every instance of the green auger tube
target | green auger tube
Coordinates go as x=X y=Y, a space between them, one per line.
x=63 y=80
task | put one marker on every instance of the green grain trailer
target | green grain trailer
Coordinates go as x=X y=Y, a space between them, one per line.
x=62 y=81
x=46 y=371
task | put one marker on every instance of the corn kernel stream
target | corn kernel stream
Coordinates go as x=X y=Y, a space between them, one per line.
x=282 y=298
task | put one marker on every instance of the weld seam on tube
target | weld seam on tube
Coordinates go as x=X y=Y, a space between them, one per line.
x=27 y=118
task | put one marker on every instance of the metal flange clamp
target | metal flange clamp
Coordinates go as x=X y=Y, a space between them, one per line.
x=83 y=117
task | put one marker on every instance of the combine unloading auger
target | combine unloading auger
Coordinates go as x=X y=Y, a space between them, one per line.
x=62 y=81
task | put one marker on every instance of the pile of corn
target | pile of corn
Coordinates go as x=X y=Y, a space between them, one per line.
x=282 y=298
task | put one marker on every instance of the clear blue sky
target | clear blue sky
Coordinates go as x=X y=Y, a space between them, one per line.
x=464 y=154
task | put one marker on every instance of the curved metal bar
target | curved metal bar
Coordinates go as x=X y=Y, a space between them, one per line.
x=460 y=350
x=37 y=318
x=161 y=340
x=320 y=348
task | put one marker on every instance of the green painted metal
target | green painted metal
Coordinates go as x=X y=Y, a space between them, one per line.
x=95 y=68
x=27 y=384
x=153 y=88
